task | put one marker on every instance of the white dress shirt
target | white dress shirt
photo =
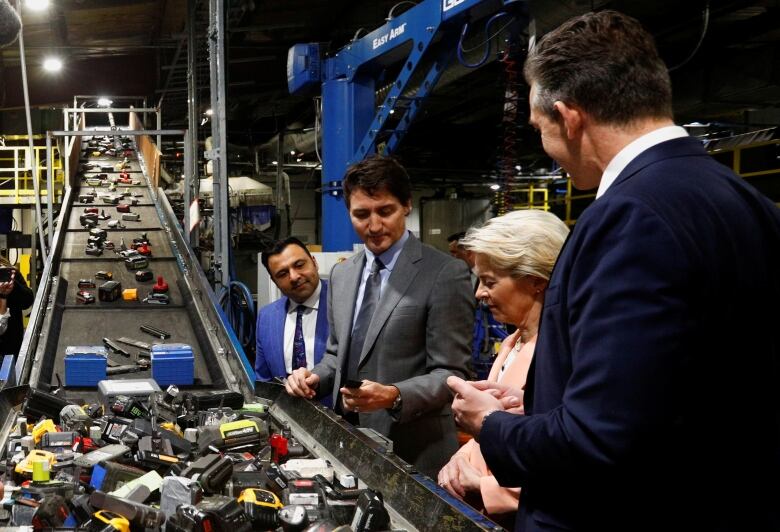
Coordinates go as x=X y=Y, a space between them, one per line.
x=388 y=258
x=633 y=150
x=309 y=323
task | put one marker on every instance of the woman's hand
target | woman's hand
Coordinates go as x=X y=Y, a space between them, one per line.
x=511 y=398
x=459 y=477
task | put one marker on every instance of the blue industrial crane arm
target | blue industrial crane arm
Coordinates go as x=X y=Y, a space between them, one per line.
x=424 y=36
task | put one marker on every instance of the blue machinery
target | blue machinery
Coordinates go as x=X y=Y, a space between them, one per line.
x=423 y=40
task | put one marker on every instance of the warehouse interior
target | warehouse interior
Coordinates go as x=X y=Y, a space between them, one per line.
x=234 y=155
x=722 y=55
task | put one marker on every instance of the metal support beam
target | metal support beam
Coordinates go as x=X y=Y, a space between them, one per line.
x=33 y=159
x=218 y=155
x=109 y=109
x=49 y=191
x=192 y=179
x=159 y=126
x=68 y=144
x=168 y=79
x=119 y=131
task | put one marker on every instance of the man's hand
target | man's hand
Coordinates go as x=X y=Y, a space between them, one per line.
x=371 y=396
x=459 y=477
x=302 y=383
x=511 y=398
x=471 y=405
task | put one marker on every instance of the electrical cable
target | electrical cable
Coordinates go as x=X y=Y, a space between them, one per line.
x=239 y=308
x=391 y=15
x=705 y=26
x=486 y=41
x=357 y=34
x=317 y=119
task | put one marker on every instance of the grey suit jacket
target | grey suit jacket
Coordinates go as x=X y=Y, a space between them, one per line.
x=419 y=335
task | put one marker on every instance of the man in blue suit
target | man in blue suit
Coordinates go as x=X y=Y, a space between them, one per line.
x=652 y=400
x=291 y=331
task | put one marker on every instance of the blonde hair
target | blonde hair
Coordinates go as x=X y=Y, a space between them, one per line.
x=520 y=242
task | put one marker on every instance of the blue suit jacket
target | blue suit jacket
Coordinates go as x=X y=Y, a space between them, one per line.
x=652 y=400
x=269 y=357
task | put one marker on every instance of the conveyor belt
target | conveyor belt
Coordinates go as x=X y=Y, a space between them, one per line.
x=191 y=316
x=414 y=501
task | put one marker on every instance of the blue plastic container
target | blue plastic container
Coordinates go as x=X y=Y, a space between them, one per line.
x=85 y=365
x=173 y=364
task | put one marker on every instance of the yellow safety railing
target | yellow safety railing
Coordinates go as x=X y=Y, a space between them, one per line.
x=538 y=197
x=765 y=152
x=16 y=170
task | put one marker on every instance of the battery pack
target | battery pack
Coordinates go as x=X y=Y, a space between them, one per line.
x=109 y=452
x=85 y=365
x=54 y=441
x=110 y=291
x=308 y=468
x=173 y=364
x=108 y=390
x=108 y=476
x=211 y=471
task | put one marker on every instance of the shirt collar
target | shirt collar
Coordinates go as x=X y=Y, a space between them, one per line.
x=389 y=256
x=632 y=151
x=313 y=302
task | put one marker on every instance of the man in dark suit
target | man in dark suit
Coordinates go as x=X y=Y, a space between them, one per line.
x=652 y=400
x=291 y=331
x=401 y=316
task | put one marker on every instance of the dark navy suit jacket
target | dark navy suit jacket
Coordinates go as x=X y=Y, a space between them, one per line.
x=269 y=357
x=652 y=402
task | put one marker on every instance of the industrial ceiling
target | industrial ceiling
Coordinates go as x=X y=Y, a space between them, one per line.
x=724 y=56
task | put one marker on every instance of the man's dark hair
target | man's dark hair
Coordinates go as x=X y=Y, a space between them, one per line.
x=455 y=237
x=377 y=173
x=279 y=246
x=607 y=64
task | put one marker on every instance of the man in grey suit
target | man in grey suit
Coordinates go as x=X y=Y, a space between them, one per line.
x=400 y=315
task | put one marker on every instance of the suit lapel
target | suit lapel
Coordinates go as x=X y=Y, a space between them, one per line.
x=352 y=274
x=321 y=331
x=401 y=277
x=278 y=336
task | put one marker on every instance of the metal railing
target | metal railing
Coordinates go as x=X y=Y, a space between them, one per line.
x=17 y=171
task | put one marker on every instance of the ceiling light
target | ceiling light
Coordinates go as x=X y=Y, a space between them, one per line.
x=104 y=102
x=292 y=152
x=52 y=64
x=37 y=5
x=208 y=112
x=495 y=186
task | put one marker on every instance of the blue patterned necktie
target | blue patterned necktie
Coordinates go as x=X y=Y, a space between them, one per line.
x=299 y=346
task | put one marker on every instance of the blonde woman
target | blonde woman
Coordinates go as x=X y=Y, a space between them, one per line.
x=514 y=257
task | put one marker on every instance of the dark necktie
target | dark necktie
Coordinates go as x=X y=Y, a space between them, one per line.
x=299 y=346
x=367 y=308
